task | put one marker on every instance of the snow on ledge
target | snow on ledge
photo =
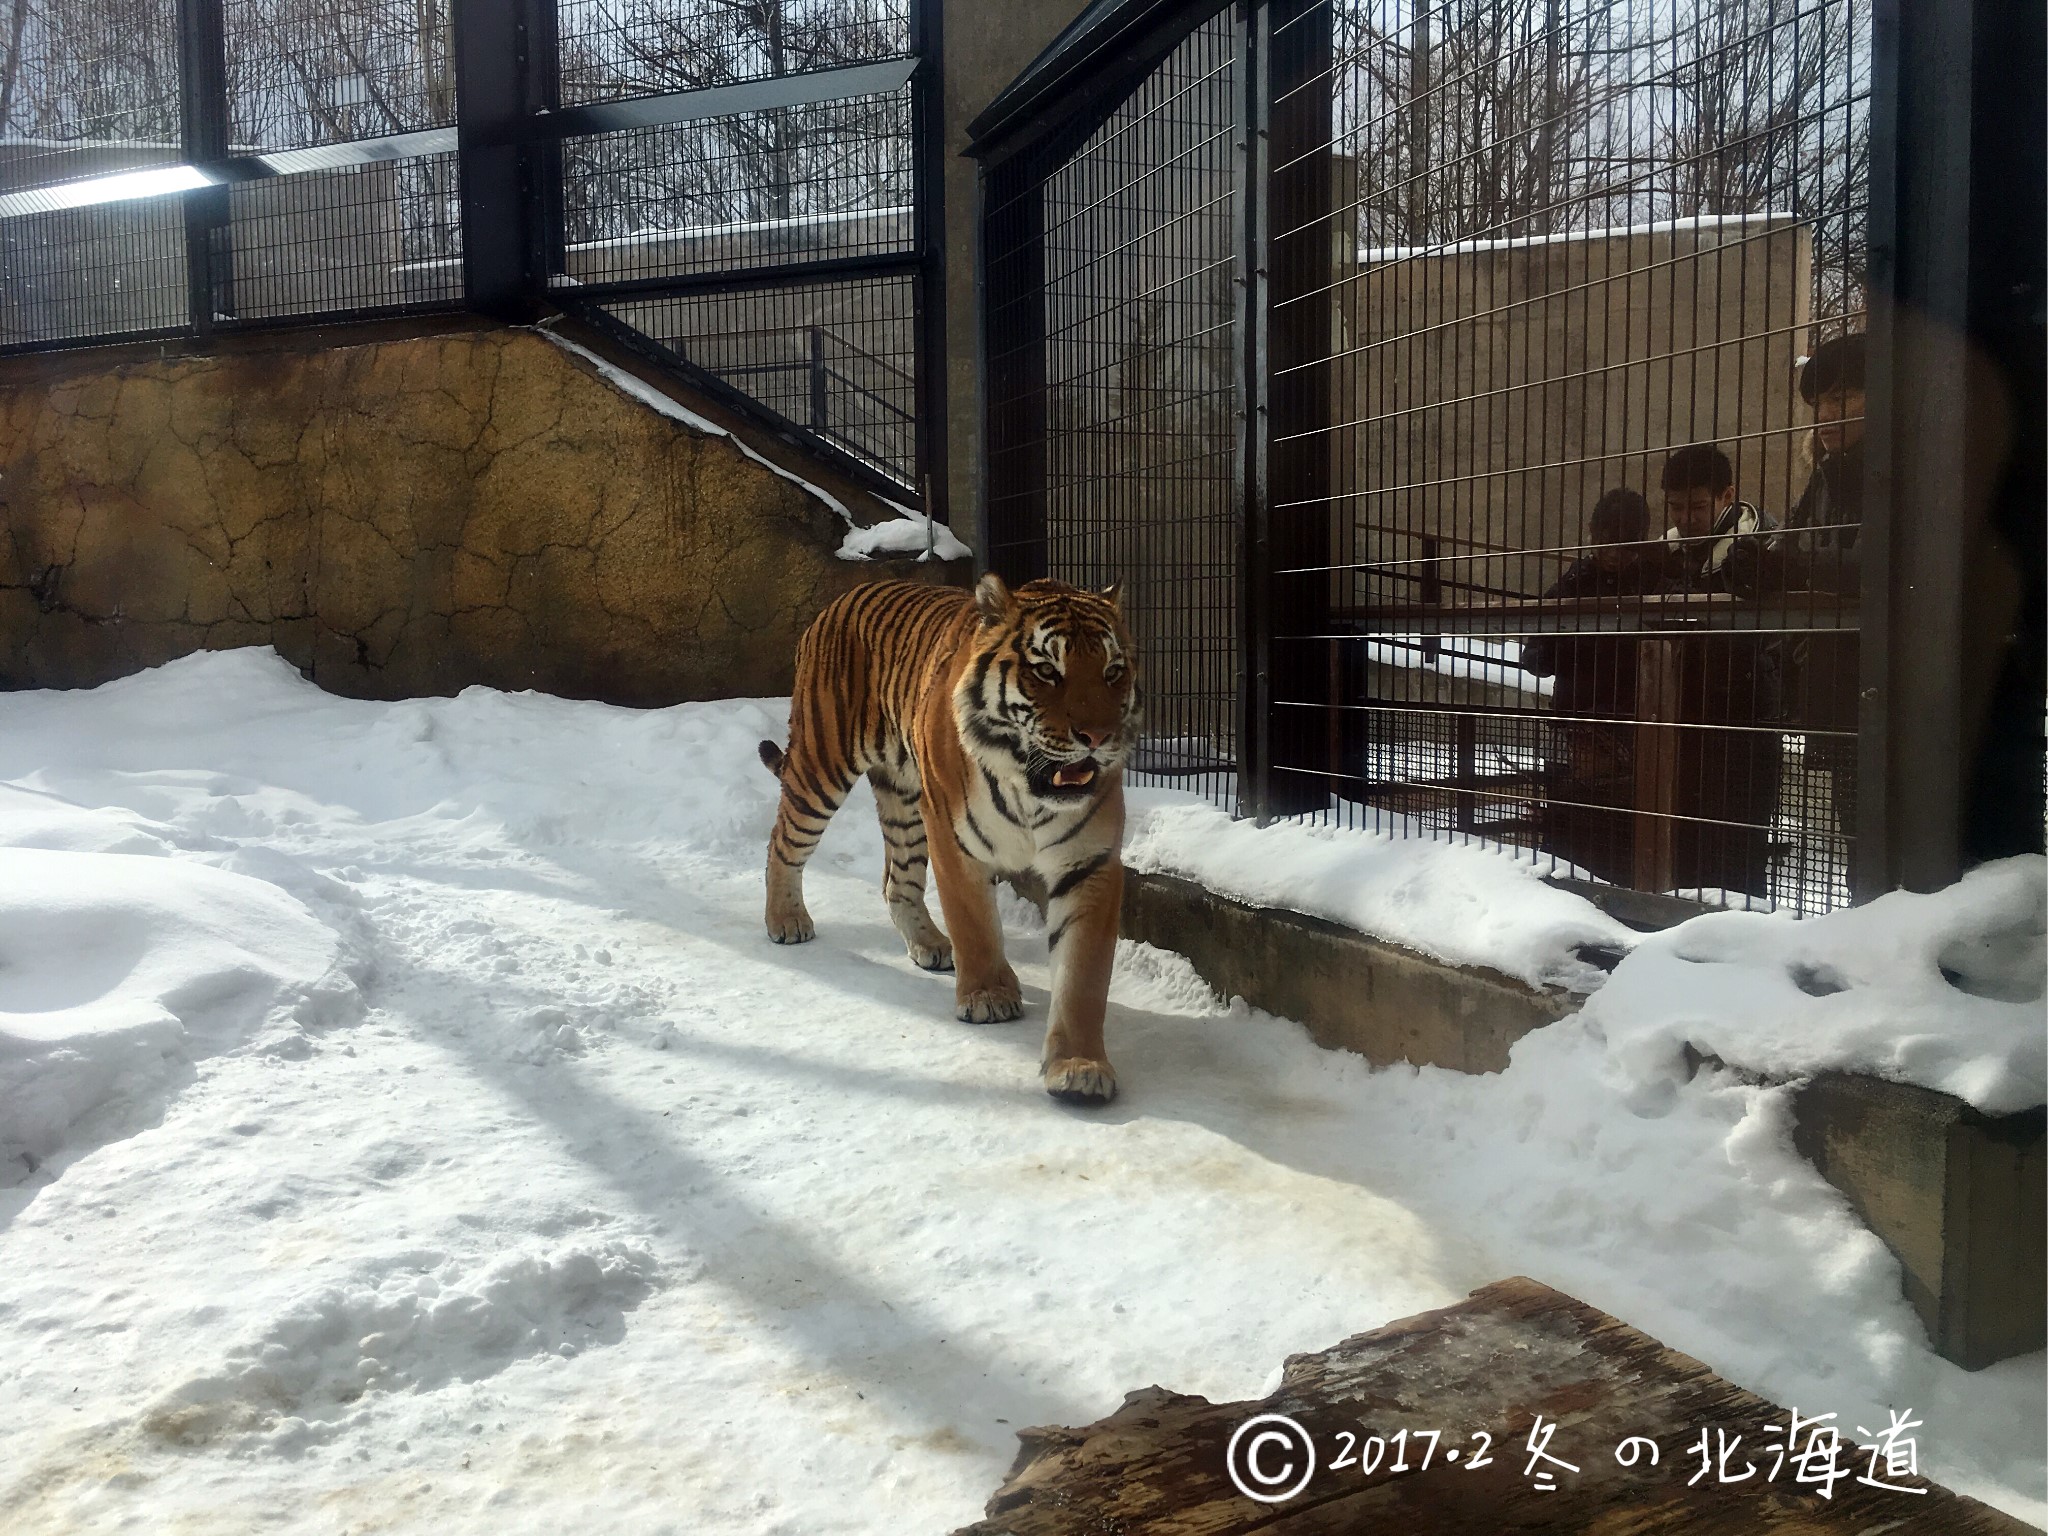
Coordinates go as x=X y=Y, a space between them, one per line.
x=908 y=533
x=654 y=399
x=1943 y=991
x=1462 y=904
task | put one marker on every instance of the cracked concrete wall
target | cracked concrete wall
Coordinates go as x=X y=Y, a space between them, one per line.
x=403 y=516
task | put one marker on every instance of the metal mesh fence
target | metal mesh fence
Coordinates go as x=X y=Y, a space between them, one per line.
x=838 y=359
x=1559 y=483
x=368 y=237
x=1588 y=578
x=619 y=48
x=1114 y=433
x=113 y=270
x=301 y=73
x=89 y=91
x=813 y=182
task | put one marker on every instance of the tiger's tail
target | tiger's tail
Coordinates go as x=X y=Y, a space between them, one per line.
x=772 y=758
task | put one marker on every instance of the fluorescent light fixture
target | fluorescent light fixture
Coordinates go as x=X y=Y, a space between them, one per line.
x=123 y=186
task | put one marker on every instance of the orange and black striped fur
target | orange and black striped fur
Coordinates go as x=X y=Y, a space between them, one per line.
x=993 y=728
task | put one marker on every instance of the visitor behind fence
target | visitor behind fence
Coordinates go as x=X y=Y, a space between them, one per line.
x=1727 y=789
x=1821 y=556
x=1589 y=781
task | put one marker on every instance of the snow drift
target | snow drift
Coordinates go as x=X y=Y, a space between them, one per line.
x=116 y=969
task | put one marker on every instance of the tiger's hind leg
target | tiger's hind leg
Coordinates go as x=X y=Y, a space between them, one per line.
x=811 y=791
x=899 y=805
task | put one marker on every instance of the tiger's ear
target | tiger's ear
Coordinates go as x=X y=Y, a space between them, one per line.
x=1114 y=592
x=992 y=599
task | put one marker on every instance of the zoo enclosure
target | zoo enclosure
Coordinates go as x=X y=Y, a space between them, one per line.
x=732 y=187
x=1326 y=326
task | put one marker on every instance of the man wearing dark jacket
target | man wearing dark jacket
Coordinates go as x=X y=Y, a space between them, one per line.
x=1727 y=790
x=1821 y=555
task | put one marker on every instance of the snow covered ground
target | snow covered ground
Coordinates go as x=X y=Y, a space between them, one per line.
x=405 y=1126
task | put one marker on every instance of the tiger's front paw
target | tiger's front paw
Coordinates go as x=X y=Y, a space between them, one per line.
x=1077 y=1080
x=791 y=925
x=995 y=1003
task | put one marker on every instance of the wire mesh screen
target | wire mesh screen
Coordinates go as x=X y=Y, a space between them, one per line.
x=308 y=72
x=386 y=233
x=1568 y=301
x=89 y=90
x=366 y=237
x=619 y=48
x=813 y=182
x=1112 y=362
x=836 y=358
x=688 y=230
x=118 y=269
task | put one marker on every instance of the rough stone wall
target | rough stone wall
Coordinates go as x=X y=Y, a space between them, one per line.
x=402 y=516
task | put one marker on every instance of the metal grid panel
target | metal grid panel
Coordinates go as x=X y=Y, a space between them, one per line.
x=87 y=90
x=619 y=48
x=838 y=359
x=367 y=237
x=308 y=72
x=1114 y=431
x=114 y=270
x=1549 y=256
x=798 y=183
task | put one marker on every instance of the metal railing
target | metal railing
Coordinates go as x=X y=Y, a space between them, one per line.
x=182 y=167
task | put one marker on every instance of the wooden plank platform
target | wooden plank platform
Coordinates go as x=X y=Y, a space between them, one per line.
x=1513 y=1358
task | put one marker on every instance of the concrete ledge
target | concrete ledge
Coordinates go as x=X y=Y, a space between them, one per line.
x=1957 y=1195
x=1353 y=992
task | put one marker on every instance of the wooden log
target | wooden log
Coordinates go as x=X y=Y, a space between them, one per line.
x=1483 y=1375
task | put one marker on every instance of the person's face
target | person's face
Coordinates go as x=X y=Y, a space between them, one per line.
x=1693 y=512
x=1838 y=420
x=1616 y=558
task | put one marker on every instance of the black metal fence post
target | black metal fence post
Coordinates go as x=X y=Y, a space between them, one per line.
x=503 y=69
x=1299 y=51
x=1954 y=405
x=928 y=178
x=203 y=131
x=1013 y=244
x=1255 y=627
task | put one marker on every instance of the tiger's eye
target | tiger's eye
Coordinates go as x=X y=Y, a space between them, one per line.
x=1045 y=674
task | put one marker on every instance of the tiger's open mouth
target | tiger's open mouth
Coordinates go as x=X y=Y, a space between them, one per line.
x=1067 y=781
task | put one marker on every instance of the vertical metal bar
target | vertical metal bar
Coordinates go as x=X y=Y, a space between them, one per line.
x=1938 y=447
x=819 y=411
x=1298 y=186
x=203 y=131
x=928 y=201
x=500 y=67
x=1014 y=425
x=1249 y=467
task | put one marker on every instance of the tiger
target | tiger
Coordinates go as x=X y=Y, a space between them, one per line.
x=994 y=727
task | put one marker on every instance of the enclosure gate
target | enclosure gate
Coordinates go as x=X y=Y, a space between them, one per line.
x=1472 y=399
x=734 y=190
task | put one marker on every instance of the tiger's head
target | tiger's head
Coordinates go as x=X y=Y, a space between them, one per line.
x=1052 y=685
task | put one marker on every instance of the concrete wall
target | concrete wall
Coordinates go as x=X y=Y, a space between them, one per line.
x=398 y=513
x=985 y=48
x=1498 y=389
